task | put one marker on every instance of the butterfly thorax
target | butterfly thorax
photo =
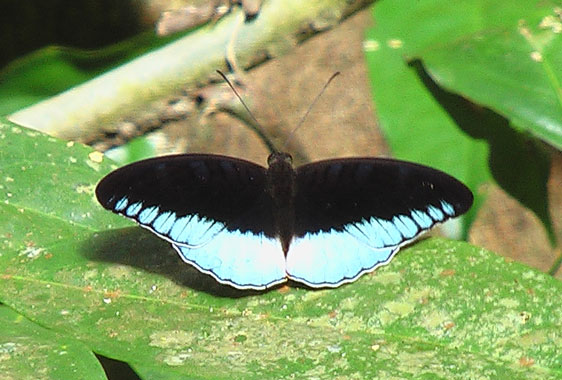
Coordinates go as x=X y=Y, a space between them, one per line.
x=281 y=180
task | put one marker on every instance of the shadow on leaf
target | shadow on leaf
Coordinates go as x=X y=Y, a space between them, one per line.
x=518 y=163
x=139 y=248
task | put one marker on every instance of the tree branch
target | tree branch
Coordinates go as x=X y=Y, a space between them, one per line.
x=86 y=111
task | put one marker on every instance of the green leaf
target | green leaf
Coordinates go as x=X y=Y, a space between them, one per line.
x=29 y=351
x=418 y=128
x=427 y=58
x=508 y=58
x=441 y=309
x=137 y=149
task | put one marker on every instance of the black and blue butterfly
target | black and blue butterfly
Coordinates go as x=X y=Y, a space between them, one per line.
x=322 y=224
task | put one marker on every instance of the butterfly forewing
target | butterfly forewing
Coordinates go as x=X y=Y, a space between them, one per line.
x=216 y=188
x=333 y=194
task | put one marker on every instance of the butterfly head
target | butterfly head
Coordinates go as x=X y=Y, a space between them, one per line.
x=279 y=158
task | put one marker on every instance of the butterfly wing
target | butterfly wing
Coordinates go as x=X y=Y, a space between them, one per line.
x=215 y=203
x=352 y=215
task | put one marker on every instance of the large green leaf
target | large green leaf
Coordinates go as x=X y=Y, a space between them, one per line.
x=508 y=57
x=29 y=351
x=440 y=309
x=427 y=58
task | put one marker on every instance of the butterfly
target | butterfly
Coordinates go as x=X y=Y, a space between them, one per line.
x=322 y=224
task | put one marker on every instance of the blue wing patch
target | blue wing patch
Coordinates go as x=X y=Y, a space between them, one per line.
x=333 y=258
x=254 y=261
x=330 y=259
x=241 y=260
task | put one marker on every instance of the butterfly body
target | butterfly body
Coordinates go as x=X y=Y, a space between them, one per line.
x=322 y=224
x=281 y=182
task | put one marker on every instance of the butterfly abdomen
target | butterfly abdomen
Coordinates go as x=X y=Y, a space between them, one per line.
x=281 y=186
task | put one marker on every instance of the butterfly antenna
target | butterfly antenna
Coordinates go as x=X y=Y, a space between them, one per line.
x=310 y=108
x=257 y=127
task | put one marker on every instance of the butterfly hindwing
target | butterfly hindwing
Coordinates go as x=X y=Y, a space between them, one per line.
x=330 y=259
x=352 y=215
x=259 y=264
x=213 y=209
